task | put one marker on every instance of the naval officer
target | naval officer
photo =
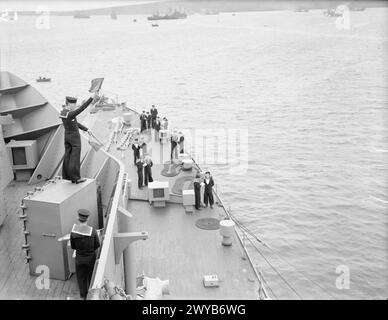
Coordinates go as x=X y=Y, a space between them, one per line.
x=85 y=241
x=71 y=159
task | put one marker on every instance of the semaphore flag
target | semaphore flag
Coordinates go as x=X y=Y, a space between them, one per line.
x=96 y=85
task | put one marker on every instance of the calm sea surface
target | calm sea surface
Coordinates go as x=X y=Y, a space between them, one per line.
x=313 y=98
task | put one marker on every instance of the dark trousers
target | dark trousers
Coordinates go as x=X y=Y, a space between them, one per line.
x=197 y=199
x=140 y=179
x=147 y=176
x=143 y=126
x=208 y=197
x=153 y=120
x=71 y=162
x=135 y=157
x=84 y=272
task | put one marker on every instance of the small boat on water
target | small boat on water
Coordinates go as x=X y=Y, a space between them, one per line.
x=81 y=15
x=113 y=15
x=155 y=25
x=169 y=16
x=43 y=79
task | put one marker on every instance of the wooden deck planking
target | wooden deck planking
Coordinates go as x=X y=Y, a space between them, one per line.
x=15 y=280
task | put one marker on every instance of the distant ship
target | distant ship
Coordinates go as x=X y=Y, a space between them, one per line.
x=301 y=10
x=170 y=16
x=43 y=79
x=208 y=12
x=113 y=16
x=357 y=9
x=81 y=15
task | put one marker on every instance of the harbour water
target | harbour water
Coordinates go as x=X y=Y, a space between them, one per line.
x=312 y=97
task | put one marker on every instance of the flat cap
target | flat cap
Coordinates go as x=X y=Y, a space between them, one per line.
x=83 y=214
x=71 y=100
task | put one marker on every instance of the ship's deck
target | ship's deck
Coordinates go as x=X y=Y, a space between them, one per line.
x=176 y=250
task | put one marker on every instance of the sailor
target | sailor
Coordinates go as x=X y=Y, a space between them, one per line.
x=71 y=159
x=85 y=241
x=157 y=127
x=147 y=170
x=174 y=145
x=197 y=191
x=143 y=121
x=208 y=193
x=181 y=142
x=136 y=150
x=165 y=123
x=140 y=176
x=149 y=120
x=154 y=114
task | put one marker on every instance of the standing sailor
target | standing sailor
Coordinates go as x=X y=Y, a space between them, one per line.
x=147 y=170
x=71 y=159
x=143 y=121
x=149 y=120
x=197 y=191
x=157 y=129
x=140 y=176
x=154 y=114
x=85 y=241
x=136 y=151
x=208 y=194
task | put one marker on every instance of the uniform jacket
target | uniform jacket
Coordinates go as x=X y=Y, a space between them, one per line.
x=85 y=246
x=69 y=120
x=154 y=112
x=157 y=125
x=209 y=186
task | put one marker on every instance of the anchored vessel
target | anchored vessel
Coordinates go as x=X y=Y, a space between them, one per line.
x=171 y=16
x=190 y=255
x=81 y=15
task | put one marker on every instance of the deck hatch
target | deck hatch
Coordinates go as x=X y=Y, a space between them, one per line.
x=208 y=224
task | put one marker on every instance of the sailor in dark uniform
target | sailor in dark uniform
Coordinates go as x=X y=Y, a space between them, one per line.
x=197 y=191
x=140 y=175
x=154 y=114
x=71 y=159
x=85 y=241
x=136 y=147
x=149 y=120
x=208 y=193
x=143 y=121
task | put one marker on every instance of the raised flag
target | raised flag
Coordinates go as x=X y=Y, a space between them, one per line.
x=96 y=85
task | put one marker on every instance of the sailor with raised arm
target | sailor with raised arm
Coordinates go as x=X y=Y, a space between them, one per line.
x=84 y=239
x=71 y=159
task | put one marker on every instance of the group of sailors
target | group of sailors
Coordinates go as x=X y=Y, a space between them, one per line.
x=143 y=164
x=151 y=120
x=207 y=183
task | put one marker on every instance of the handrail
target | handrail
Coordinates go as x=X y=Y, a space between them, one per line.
x=98 y=280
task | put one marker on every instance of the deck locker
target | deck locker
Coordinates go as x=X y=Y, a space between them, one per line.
x=50 y=214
